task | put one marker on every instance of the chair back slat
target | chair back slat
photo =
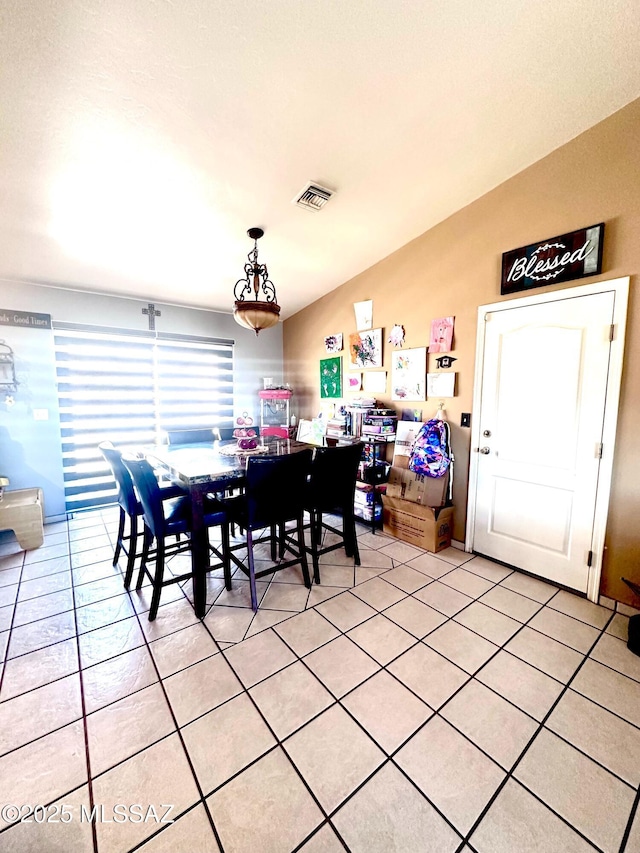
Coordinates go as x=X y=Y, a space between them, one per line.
x=126 y=493
x=275 y=488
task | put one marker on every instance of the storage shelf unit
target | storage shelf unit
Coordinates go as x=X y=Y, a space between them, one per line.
x=377 y=429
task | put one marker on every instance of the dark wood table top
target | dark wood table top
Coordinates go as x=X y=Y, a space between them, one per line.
x=207 y=464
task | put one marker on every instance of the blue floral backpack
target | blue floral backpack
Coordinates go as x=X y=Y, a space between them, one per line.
x=431 y=454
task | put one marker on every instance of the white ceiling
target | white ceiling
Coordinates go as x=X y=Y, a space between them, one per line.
x=140 y=139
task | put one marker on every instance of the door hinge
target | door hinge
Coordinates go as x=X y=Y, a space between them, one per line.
x=590 y=558
x=612 y=332
x=599 y=450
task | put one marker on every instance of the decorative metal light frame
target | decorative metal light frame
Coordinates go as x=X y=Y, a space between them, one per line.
x=8 y=381
x=256 y=305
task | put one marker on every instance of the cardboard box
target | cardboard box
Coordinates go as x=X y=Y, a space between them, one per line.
x=405 y=485
x=425 y=526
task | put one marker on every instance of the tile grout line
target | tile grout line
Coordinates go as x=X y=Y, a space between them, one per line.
x=85 y=730
x=148 y=642
x=338 y=701
x=437 y=713
x=10 y=629
x=635 y=812
x=528 y=745
x=178 y=731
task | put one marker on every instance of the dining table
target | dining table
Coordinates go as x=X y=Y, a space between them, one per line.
x=205 y=468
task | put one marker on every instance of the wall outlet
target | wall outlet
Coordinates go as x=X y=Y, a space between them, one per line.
x=41 y=414
x=465 y=419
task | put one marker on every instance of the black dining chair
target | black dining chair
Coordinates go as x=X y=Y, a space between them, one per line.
x=274 y=495
x=190 y=436
x=163 y=519
x=331 y=489
x=130 y=508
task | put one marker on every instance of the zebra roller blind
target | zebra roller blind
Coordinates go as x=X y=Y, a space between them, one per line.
x=129 y=388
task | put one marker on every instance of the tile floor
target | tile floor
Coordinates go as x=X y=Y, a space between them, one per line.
x=416 y=703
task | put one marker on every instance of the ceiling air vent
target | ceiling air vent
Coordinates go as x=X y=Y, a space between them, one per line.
x=313 y=197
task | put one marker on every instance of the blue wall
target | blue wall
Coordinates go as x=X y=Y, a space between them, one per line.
x=30 y=449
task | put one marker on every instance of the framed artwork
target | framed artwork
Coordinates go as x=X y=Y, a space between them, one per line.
x=441 y=384
x=365 y=348
x=364 y=315
x=331 y=377
x=354 y=381
x=441 y=339
x=408 y=374
x=375 y=381
x=333 y=343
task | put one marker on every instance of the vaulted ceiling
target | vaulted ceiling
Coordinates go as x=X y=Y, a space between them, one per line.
x=140 y=139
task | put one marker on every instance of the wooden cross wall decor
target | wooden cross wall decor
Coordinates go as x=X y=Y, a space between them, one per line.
x=151 y=311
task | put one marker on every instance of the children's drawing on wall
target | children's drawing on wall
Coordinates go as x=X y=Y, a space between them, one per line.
x=441 y=335
x=364 y=315
x=408 y=372
x=331 y=377
x=354 y=381
x=333 y=343
x=441 y=384
x=396 y=336
x=366 y=348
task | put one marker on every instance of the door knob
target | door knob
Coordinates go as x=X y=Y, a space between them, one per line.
x=485 y=450
x=486 y=433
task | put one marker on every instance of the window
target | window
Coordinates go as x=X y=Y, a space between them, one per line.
x=129 y=388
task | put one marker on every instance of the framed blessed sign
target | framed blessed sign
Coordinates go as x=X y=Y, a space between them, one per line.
x=563 y=258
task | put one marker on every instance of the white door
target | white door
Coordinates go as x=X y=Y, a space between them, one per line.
x=542 y=410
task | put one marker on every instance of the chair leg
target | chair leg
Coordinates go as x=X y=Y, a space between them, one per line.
x=316 y=533
x=157 y=580
x=347 y=533
x=303 y=553
x=226 y=559
x=116 y=553
x=133 y=547
x=252 y=572
x=148 y=538
x=353 y=537
x=274 y=543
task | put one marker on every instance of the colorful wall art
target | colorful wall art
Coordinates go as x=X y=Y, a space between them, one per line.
x=408 y=374
x=396 y=336
x=333 y=343
x=354 y=381
x=331 y=377
x=365 y=348
x=441 y=339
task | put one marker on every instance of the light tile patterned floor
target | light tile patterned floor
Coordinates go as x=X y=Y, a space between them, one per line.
x=417 y=703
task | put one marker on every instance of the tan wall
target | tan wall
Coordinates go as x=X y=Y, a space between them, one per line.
x=455 y=267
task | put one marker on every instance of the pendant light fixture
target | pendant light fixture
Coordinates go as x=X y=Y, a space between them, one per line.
x=256 y=304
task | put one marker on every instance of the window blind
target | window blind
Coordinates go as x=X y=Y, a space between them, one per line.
x=129 y=388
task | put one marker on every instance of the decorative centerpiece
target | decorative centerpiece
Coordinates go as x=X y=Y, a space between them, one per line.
x=246 y=435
